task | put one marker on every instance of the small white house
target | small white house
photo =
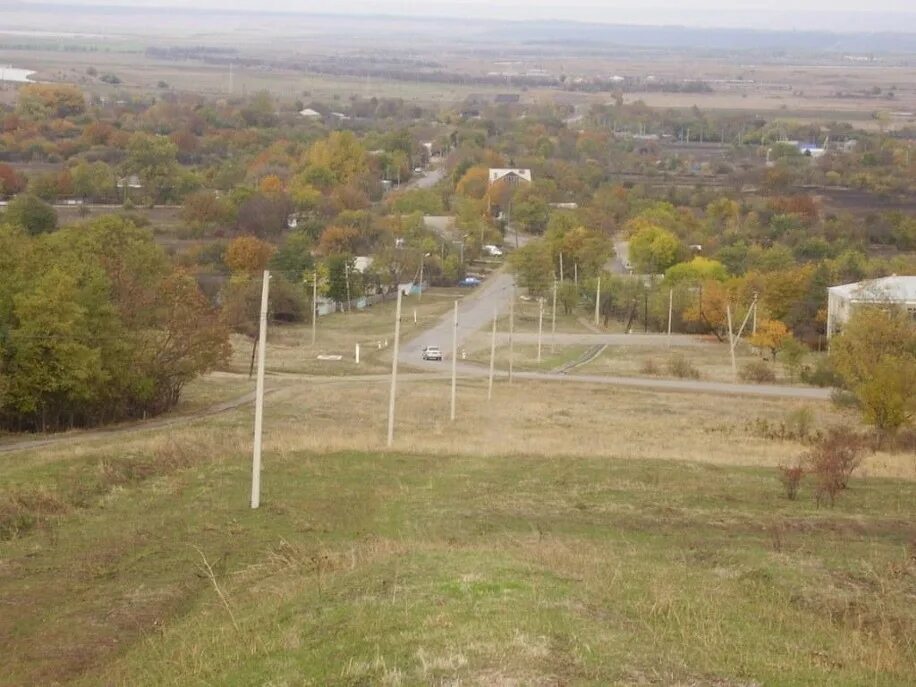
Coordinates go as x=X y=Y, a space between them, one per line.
x=511 y=175
x=888 y=291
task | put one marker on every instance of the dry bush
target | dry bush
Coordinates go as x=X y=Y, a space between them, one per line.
x=650 y=367
x=833 y=460
x=758 y=371
x=680 y=367
x=791 y=477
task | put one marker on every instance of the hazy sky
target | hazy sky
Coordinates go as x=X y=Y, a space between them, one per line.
x=784 y=14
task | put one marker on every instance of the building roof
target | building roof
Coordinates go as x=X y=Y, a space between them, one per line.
x=497 y=174
x=309 y=112
x=893 y=289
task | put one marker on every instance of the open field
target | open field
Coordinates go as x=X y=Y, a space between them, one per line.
x=711 y=360
x=557 y=535
x=290 y=348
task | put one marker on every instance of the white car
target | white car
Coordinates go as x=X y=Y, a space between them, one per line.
x=492 y=250
x=431 y=353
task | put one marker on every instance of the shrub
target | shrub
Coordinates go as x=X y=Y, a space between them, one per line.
x=791 y=477
x=680 y=367
x=757 y=371
x=833 y=460
x=822 y=374
x=799 y=423
x=650 y=367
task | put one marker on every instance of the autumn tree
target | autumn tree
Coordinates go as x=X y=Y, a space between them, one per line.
x=342 y=154
x=11 y=182
x=248 y=255
x=876 y=358
x=51 y=100
x=771 y=336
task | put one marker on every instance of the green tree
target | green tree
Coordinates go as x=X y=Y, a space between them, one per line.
x=654 y=249
x=876 y=358
x=31 y=214
x=533 y=264
x=698 y=270
x=154 y=159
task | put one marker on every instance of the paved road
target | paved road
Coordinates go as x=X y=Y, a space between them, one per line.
x=429 y=179
x=618 y=264
x=475 y=313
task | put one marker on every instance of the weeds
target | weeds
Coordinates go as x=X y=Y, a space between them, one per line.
x=758 y=371
x=791 y=477
x=23 y=510
x=682 y=368
x=650 y=367
x=833 y=460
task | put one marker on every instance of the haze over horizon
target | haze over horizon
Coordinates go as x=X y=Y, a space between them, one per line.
x=825 y=15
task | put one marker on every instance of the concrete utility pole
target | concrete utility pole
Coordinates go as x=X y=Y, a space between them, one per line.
x=553 y=320
x=394 y=370
x=540 y=325
x=598 y=303
x=259 y=397
x=492 y=356
x=731 y=339
x=314 y=306
x=454 y=360
x=576 y=275
x=349 y=300
x=511 y=332
x=420 y=295
x=561 y=268
x=670 y=313
x=356 y=356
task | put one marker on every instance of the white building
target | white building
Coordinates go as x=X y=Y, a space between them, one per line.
x=887 y=291
x=511 y=175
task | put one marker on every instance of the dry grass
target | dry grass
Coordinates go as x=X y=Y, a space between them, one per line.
x=712 y=360
x=547 y=419
x=290 y=350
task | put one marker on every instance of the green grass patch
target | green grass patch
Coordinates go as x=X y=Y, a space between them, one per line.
x=403 y=569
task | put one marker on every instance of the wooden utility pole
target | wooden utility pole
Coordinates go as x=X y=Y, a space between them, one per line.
x=259 y=397
x=511 y=332
x=553 y=320
x=598 y=303
x=492 y=356
x=454 y=360
x=576 y=276
x=394 y=369
x=540 y=325
x=314 y=306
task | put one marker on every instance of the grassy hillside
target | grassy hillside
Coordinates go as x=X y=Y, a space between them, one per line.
x=142 y=565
